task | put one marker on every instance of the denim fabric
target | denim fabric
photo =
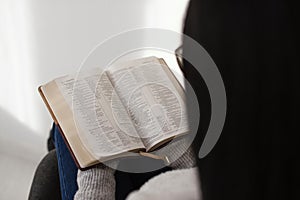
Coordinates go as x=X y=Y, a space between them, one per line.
x=66 y=166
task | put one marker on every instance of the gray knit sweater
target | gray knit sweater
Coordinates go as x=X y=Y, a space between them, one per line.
x=99 y=182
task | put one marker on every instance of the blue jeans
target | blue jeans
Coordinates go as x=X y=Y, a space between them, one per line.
x=66 y=166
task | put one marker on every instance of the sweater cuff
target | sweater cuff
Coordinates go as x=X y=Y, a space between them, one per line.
x=183 y=161
x=96 y=183
x=180 y=155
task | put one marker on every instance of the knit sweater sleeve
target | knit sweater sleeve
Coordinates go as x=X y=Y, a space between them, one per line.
x=179 y=154
x=96 y=183
x=185 y=160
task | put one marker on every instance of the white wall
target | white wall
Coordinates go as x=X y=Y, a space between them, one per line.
x=40 y=40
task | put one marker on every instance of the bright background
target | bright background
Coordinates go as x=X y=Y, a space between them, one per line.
x=41 y=40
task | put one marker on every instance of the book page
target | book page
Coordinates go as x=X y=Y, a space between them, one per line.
x=153 y=98
x=91 y=97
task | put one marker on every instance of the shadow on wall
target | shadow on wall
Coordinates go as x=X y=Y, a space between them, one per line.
x=20 y=151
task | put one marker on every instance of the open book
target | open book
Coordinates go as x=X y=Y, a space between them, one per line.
x=126 y=109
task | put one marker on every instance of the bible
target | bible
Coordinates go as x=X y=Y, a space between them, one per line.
x=128 y=109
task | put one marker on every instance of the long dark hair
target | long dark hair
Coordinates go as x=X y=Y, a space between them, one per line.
x=253 y=43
